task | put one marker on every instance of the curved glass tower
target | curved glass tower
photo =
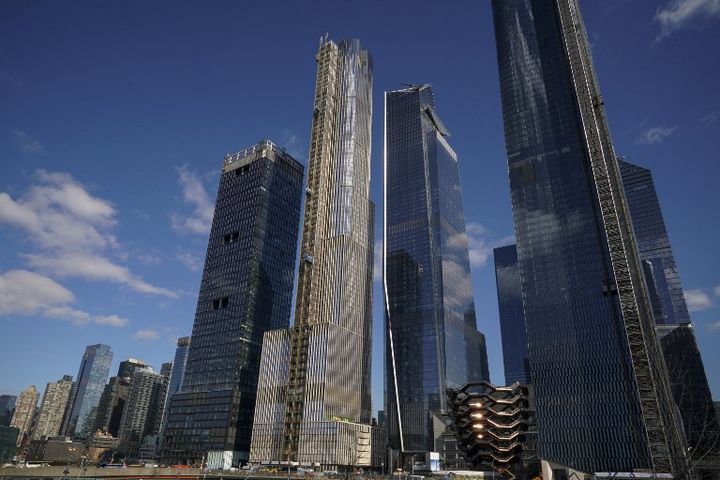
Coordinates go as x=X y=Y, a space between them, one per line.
x=602 y=395
x=432 y=340
x=90 y=383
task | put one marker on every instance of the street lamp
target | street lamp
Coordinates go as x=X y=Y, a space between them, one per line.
x=82 y=466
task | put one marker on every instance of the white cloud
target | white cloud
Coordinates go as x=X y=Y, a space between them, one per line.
x=94 y=267
x=714 y=327
x=30 y=294
x=27 y=142
x=717 y=290
x=71 y=231
x=479 y=247
x=146 y=335
x=152 y=257
x=112 y=320
x=655 y=135
x=190 y=261
x=378 y=261
x=291 y=143
x=194 y=193
x=710 y=118
x=25 y=292
x=677 y=14
x=697 y=300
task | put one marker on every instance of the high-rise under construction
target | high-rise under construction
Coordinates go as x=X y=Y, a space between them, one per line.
x=313 y=403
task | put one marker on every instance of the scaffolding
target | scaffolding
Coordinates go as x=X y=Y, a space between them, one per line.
x=315 y=228
x=664 y=438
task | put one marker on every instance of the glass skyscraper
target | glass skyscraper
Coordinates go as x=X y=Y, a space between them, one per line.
x=246 y=290
x=677 y=336
x=176 y=377
x=432 y=340
x=653 y=244
x=7 y=405
x=512 y=317
x=675 y=332
x=602 y=395
x=314 y=394
x=89 y=385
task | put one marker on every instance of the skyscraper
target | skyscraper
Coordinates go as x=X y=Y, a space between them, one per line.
x=512 y=317
x=89 y=385
x=432 y=339
x=53 y=408
x=24 y=412
x=677 y=337
x=314 y=392
x=111 y=405
x=165 y=369
x=115 y=394
x=143 y=409
x=176 y=377
x=128 y=367
x=7 y=405
x=602 y=395
x=246 y=290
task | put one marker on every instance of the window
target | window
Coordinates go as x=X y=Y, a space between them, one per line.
x=231 y=237
x=219 y=303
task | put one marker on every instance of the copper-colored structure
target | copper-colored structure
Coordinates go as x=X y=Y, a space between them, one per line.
x=495 y=427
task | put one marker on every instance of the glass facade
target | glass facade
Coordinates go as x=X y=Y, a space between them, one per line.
x=89 y=385
x=653 y=243
x=602 y=396
x=246 y=290
x=690 y=389
x=176 y=377
x=8 y=443
x=430 y=314
x=7 y=405
x=512 y=317
x=677 y=336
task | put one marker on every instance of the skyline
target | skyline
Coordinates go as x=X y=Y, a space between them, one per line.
x=128 y=289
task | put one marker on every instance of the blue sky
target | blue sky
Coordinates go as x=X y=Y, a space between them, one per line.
x=115 y=117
